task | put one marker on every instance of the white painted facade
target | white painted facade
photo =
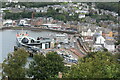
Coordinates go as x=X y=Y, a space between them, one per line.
x=84 y=12
x=81 y=15
x=88 y=33
x=100 y=40
x=23 y=22
x=43 y=45
x=95 y=46
x=109 y=47
x=62 y=38
x=52 y=25
x=9 y=22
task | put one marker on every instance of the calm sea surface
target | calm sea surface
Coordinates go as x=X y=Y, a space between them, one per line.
x=8 y=40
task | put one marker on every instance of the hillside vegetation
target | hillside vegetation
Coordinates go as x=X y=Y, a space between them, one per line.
x=109 y=6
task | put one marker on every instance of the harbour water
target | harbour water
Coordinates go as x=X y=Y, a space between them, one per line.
x=8 y=40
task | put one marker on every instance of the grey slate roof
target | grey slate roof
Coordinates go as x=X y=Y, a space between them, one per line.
x=109 y=42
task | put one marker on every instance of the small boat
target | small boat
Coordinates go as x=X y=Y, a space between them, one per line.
x=25 y=40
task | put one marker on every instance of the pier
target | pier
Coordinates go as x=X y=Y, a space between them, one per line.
x=38 y=29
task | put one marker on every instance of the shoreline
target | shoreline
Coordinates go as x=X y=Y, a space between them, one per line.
x=35 y=29
x=0 y=65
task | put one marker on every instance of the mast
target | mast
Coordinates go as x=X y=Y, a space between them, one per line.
x=22 y=31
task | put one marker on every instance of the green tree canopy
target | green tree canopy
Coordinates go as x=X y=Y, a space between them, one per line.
x=44 y=67
x=111 y=6
x=14 y=66
x=96 y=65
x=30 y=4
x=55 y=64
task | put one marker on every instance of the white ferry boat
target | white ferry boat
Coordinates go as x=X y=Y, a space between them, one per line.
x=23 y=39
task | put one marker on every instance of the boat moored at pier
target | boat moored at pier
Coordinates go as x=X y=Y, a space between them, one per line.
x=25 y=40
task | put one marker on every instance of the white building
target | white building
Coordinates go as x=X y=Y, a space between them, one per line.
x=81 y=15
x=109 y=45
x=84 y=12
x=52 y=25
x=8 y=22
x=77 y=11
x=24 y=22
x=102 y=43
x=87 y=33
x=10 y=1
x=61 y=38
x=100 y=40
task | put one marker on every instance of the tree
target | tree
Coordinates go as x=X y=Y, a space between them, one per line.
x=30 y=4
x=19 y=15
x=95 y=65
x=104 y=49
x=117 y=55
x=55 y=64
x=109 y=6
x=14 y=66
x=37 y=67
x=117 y=43
x=44 y=67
